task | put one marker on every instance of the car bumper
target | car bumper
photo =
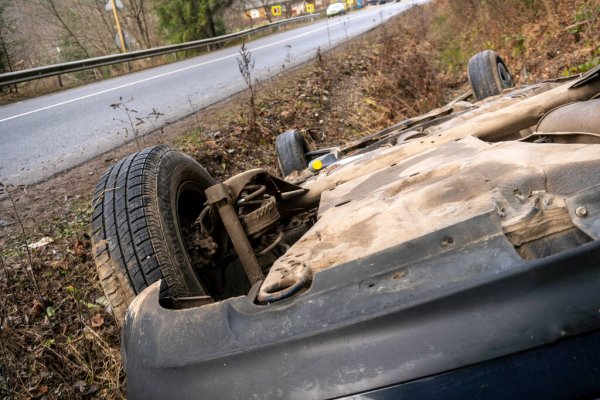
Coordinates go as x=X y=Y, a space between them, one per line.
x=409 y=312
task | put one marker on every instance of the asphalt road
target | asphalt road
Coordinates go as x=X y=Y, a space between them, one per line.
x=46 y=135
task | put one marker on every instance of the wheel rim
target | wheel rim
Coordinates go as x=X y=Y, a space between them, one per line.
x=505 y=78
x=190 y=202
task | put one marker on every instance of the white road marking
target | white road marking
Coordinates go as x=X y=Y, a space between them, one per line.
x=189 y=67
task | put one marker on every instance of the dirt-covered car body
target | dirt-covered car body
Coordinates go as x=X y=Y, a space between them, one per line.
x=454 y=255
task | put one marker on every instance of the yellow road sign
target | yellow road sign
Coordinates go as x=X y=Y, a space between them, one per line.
x=276 y=10
x=311 y=8
x=349 y=2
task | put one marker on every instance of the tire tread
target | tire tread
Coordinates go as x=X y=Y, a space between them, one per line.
x=483 y=74
x=128 y=237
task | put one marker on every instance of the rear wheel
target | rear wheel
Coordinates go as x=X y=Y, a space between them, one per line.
x=488 y=74
x=142 y=206
x=291 y=149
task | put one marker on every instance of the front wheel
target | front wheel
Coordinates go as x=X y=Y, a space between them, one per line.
x=142 y=206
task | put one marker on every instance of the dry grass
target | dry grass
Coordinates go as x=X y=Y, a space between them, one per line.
x=57 y=339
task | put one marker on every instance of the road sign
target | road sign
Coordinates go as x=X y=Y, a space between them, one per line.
x=254 y=14
x=113 y=5
x=109 y=6
x=349 y=2
x=276 y=10
x=127 y=40
x=310 y=8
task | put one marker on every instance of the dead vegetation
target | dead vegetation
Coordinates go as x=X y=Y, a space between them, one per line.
x=57 y=335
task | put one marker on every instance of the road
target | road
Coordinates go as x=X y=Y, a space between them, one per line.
x=46 y=135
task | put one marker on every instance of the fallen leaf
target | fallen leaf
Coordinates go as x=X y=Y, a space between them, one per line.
x=103 y=301
x=36 y=307
x=96 y=321
x=46 y=240
x=80 y=385
x=59 y=264
x=79 y=248
x=50 y=311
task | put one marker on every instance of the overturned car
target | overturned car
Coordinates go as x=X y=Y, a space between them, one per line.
x=452 y=255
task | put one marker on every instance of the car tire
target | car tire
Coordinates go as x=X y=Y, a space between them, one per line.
x=488 y=74
x=291 y=149
x=140 y=205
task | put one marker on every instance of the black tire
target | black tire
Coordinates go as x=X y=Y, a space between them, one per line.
x=488 y=74
x=140 y=205
x=291 y=149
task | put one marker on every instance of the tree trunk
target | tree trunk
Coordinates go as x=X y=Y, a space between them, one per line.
x=11 y=88
x=138 y=16
x=288 y=9
x=145 y=24
x=267 y=11
x=211 y=28
x=5 y=51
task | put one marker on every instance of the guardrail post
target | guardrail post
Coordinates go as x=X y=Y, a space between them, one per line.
x=59 y=79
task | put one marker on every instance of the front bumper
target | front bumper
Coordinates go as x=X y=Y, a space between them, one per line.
x=409 y=312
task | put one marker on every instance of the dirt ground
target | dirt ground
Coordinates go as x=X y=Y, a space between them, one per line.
x=58 y=338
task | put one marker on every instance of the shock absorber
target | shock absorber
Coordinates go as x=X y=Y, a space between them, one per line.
x=219 y=196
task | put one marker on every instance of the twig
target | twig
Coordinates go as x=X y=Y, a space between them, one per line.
x=6 y=372
x=8 y=286
x=246 y=66
x=6 y=375
x=36 y=287
x=189 y=99
x=128 y=111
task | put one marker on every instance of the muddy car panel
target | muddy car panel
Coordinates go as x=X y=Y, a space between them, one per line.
x=367 y=324
x=476 y=240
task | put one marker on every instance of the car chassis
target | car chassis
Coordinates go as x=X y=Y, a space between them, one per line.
x=446 y=255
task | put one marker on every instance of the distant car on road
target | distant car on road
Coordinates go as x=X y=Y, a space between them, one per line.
x=336 y=9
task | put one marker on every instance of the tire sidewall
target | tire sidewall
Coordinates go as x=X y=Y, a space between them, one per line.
x=175 y=170
x=495 y=60
x=291 y=148
x=484 y=74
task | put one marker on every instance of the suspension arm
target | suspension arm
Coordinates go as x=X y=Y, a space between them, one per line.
x=219 y=195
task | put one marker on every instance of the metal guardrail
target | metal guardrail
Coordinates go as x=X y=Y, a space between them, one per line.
x=81 y=65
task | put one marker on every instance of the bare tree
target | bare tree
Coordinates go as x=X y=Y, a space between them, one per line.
x=287 y=8
x=135 y=11
x=266 y=5
x=5 y=53
x=55 y=12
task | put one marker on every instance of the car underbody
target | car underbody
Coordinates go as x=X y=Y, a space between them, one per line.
x=465 y=235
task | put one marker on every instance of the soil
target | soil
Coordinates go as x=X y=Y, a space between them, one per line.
x=58 y=338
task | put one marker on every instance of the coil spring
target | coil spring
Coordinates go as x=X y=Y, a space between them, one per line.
x=253 y=191
x=273 y=244
x=254 y=197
